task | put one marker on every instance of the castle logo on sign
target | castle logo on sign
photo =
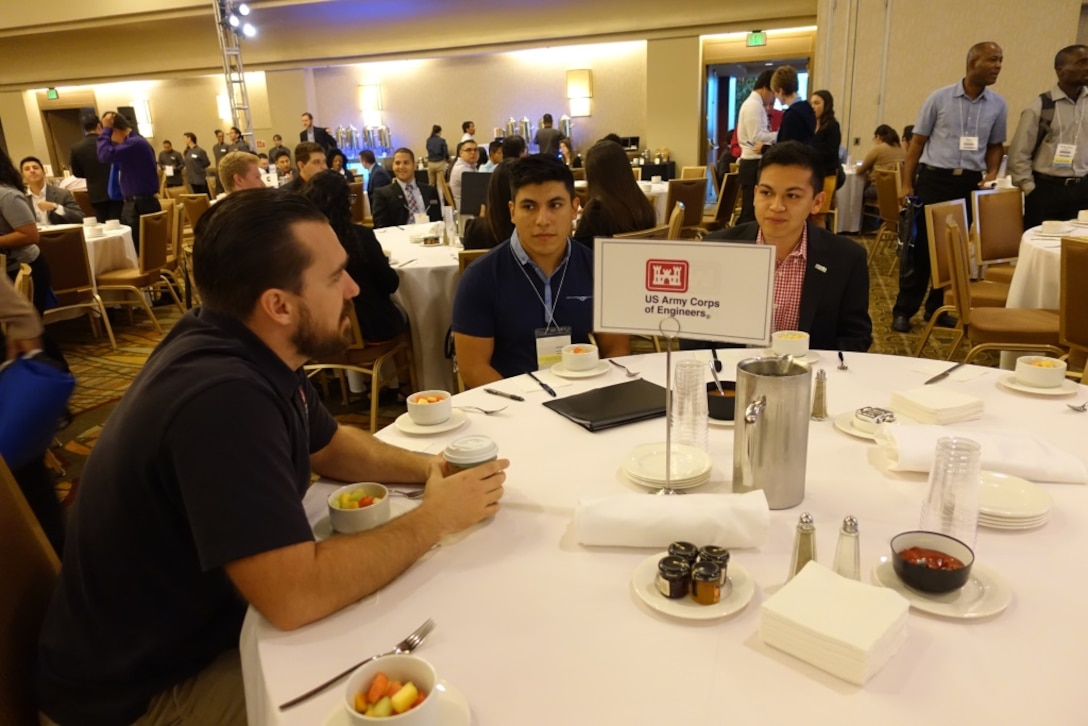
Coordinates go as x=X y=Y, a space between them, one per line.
x=667 y=275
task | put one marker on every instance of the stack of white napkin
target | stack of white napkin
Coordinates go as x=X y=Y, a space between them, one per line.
x=1009 y=451
x=936 y=405
x=842 y=626
x=637 y=520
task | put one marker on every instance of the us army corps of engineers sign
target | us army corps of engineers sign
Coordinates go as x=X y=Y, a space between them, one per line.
x=715 y=290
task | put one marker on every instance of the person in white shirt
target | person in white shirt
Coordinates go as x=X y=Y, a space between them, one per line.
x=51 y=204
x=753 y=133
x=469 y=129
x=467 y=154
x=494 y=155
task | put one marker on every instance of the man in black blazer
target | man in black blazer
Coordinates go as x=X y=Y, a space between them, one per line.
x=829 y=270
x=85 y=164
x=378 y=177
x=316 y=134
x=391 y=205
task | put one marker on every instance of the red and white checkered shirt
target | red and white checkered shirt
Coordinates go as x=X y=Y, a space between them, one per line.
x=789 y=279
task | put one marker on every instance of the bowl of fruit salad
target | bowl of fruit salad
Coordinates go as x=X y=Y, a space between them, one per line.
x=428 y=408
x=358 y=507
x=395 y=689
x=580 y=357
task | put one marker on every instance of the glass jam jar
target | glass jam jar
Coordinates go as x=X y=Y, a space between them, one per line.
x=719 y=556
x=684 y=550
x=673 y=576
x=705 y=589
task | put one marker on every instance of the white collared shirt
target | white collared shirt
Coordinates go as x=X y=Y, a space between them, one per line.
x=415 y=192
x=41 y=215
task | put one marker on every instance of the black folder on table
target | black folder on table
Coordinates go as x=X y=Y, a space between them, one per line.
x=604 y=408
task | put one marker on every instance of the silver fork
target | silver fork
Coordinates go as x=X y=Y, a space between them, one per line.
x=630 y=373
x=405 y=646
x=408 y=493
x=1081 y=408
x=488 y=411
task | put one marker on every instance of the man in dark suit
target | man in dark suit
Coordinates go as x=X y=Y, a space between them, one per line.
x=85 y=164
x=821 y=280
x=378 y=177
x=396 y=203
x=316 y=134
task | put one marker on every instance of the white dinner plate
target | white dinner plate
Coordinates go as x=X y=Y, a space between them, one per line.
x=684 y=484
x=986 y=593
x=1010 y=498
x=406 y=425
x=845 y=422
x=1067 y=388
x=453 y=708
x=1011 y=525
x=599 y=369
x=646 y=464
x=810 y=357
x=738 y=591
x=1038 y=232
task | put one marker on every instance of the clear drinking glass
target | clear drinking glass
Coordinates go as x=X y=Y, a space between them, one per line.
x=951 y=507
x=689 y=406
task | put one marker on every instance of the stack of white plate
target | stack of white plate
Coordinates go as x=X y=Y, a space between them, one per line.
x=1009 y=502
x=646 y=466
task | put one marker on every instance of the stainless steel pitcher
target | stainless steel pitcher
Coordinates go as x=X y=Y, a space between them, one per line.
x=770 y=438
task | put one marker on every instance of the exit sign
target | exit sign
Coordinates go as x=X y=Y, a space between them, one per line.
x=756 y=38
x=51 y=94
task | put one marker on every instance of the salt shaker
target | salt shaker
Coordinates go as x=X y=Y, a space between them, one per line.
x=847 y=552
x=804 y=545
x=819 y=397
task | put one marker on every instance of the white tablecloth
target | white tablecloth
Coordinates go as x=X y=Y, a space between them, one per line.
x=537 y=630
x=428 y=280
x=114 y=250
x=849 y=202
x=1036 y=281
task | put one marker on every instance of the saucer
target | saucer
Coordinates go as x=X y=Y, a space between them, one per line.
x=1067 y=388
x=1007 y=499
x=986 y=593
x=406 y=425
x=738 y=591
x=453 y=708
x=1052 y=235
x=601 y=367
x=690 y=466
x=845 y=422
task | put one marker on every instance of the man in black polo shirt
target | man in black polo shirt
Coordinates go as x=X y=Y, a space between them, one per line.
x=190 y=504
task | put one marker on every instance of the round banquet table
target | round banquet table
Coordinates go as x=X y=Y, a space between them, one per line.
x=114 y=250
x=849 y=200
x=536 y=629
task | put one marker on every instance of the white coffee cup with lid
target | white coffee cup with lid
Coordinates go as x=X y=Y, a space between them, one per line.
x=469 y=451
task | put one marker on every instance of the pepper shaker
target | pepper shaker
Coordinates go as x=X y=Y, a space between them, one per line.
x=804 y=545
x=847 y=552
x=819 y=397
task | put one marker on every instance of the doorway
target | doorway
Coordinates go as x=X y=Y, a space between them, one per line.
x=63 y=129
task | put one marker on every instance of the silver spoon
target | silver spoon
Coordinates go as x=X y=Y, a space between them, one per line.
x=488 y=411
x=714 y=372
x=630 y=373
x=1079 y=409
x=842 y=362
x=408 y=493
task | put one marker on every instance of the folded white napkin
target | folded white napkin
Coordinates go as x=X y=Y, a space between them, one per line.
x=1009 y=451
x=636 y=520
x=842 y=626
x=934 y=404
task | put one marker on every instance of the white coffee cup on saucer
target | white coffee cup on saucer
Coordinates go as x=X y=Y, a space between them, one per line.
x=1082 y=215
x=113 y=224
x=792 y=342
x=89 y=221
x=422 y=218
x=1052 y=226
x=656 y=179
x=93 y=230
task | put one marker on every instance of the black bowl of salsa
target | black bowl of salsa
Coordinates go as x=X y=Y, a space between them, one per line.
x=721 y=407
x=931 y=561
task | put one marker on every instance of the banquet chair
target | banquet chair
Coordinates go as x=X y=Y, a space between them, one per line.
x=1073 y=323
x=358 y=213
x=999 y=217
x=173 y=250
x=887 y=200
x=727 y=202
x=828 y=211
x=195 y=206
x=147 y=276
x=676 y=221
x=990 y=328
x=693 y=172
x=692 y=192
x=983 y=293
x=464 y=259
x=580 y=174
x=659 y=232
x=24 y=283
x=73 y=281
x=636 y=171
x=444 y=189
x=369 y=360
x=83 y=199
x=30 y=568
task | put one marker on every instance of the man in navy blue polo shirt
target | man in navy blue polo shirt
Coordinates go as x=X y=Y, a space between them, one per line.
x=534 y=291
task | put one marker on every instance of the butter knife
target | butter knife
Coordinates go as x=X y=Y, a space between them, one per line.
x=944 y=374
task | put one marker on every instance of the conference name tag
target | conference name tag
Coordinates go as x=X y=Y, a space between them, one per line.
x=1063 y=155
x=968 y=143
x=549 y=345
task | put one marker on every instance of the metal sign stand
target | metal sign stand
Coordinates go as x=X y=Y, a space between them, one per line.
x=669 y=334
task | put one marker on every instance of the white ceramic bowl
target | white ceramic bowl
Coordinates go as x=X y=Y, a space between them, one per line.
x=89 y=221
x=429 y=414
x=1053 y=227
x=350 y=521
x=580 y=356
x=792 y=342
x=113 y=224
x=1082 y=215
x=94 y=230
x=1039 y=371
x=402 y=668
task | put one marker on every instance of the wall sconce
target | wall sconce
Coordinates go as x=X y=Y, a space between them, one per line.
x=370 y=101
x=580 y=91
x=143 y=117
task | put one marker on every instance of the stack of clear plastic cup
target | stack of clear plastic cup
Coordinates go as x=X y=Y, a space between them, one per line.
x=689 y=407
x=951 y=507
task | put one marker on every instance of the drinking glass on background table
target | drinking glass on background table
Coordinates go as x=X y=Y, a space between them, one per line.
x=689 y=407
x=951 y=506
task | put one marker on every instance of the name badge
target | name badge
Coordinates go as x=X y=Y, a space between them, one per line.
x=549 y=345
x=968 y=143
x=1063 y=155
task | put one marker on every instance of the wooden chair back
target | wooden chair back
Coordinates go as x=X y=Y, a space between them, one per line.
x=30 y=568
x=659 y=232
x=444 y=190
x=940 y=271
x=999 y=217
x=1073 y=325
x=69 y=265
x=358 y=211
x=887 y=196
x=727 y=199
x=829 y=195
x=676 y=221
x=154 y=241
x=466 y=258
x=24 y=283
x=692 y=192
x=195 y=205
x=955 y=250
x=693 y=172
x=636 y=171
x=83 y=199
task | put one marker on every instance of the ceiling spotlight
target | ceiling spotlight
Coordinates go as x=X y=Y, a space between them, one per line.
x=233 y=20
x=243 y=9
x=249 y=31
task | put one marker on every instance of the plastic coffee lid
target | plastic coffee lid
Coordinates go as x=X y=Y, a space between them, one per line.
x=469 y=450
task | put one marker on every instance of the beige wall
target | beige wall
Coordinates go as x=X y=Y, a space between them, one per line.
x=924 y=45
x=674 y=98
